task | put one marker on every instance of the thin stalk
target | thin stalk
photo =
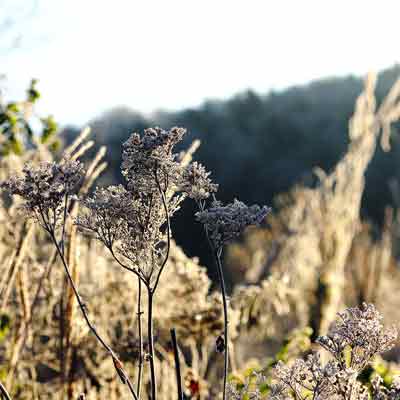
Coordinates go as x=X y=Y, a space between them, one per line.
x=4 y=393
x=151 y=344
x=217 y=255
x=139 y=321
x=117 y=362
x=164 y=201
x=177 y=364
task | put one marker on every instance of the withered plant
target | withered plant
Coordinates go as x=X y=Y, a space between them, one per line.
x=133 y=221
x=300 y=271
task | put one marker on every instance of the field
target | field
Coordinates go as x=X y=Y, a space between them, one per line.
x=97 y=300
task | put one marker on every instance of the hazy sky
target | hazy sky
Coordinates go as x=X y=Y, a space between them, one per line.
x=93 y=55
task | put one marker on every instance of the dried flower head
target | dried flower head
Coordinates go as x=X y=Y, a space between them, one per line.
x=361 y=331
x=144 y=156
x=45 y=188
x=196 y=182
x=108 y=211
x=225 y=223
x=134 y=221
x=130 y=225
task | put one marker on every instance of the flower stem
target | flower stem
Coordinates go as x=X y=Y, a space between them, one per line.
x=139 y=320
x=151 y=344
x=217 y=255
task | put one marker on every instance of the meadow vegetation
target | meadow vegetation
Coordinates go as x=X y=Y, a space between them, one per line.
x=97 y=301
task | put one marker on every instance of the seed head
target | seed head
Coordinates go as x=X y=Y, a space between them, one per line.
x=225 y=223
x=196 y=182
x=45 y=187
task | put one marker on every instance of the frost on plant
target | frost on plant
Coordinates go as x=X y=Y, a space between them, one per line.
x=45 y=189
x=226 y=223
x=148 y=160
x=361 y=331
x=196 y=182
x=357 y=336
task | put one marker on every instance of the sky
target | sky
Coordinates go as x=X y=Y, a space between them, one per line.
x=92 y=55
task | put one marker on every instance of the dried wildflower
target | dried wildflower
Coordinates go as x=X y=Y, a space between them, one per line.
x=278 y=391
x=225 y=223
x=196 y=182
x=145 y=156
x=45 y=189
x=134 y=221
x=133 y=226
x=319 y=381
x=107 y=214
x=360 y=330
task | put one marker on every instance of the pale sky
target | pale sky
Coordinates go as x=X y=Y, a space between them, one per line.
x=91 y=55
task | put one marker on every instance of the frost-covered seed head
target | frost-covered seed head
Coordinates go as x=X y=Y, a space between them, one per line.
x=225 y=223
x=196 y=182
x=44 y=187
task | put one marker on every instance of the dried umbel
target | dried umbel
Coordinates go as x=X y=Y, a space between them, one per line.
x=144 y=157
x=131 y=226
x=45 y=188
x=133 y=222
x=361 y=331
x=226 y=223
x=196 y=182
x=354 y=340
x=222 y=225
x=106 y=215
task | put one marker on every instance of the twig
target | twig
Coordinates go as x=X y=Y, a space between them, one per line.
x=177 y=364
x=23 y=332
x=139 y=320
x=164 y=201
x=4 y=393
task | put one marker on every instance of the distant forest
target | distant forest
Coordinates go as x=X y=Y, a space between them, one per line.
x=260 y=145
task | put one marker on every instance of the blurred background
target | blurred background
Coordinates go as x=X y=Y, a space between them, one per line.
x=276 y=93
x=267 y=87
